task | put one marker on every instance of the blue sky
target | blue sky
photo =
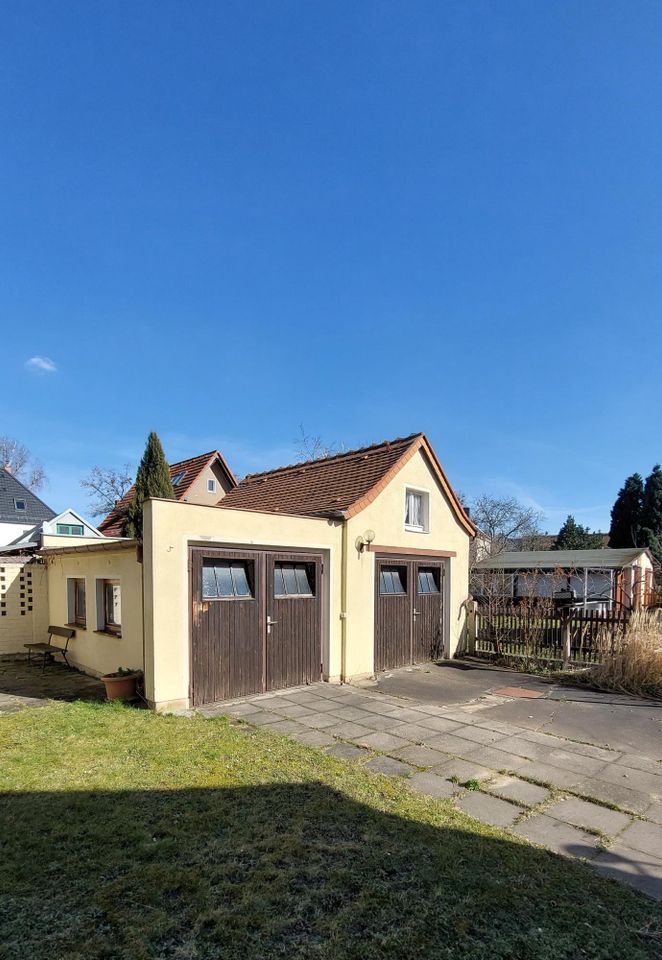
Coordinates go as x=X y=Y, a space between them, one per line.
x=220 y=220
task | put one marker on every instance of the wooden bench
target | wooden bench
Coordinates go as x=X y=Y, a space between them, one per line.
x=49 y=649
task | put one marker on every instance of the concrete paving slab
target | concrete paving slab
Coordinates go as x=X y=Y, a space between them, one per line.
x=463 y=770
x=589 y=816
x=379 y=721
x=291 y=710
x=642 y=781
x=641 y=871
x=440 y=724
x=557 y=836
x=287 y=727
x=624 y=797
x=507 y=729
x=546 y=773
x=432 y=785
x=420 y=756
x=414 y=732
x=353 y=713
x=389 y=767
x=491 y=810
x=647 y=764
x=497 y=759
x=346 y=751
x=457 y=746
x=654 y=812
x=348 y=730
x=241 y=709
x=558 y=743
x=521 y=791
x=320 y=721
x=373 y=705
x=624 y=724
x=407 y=715
x=478 y=734
x=385 y=742
x=314 y=738
x=264 y=718
x=643 y=836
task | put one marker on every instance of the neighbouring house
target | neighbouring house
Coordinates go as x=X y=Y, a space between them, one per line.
x=203 y=479
x=331 y=569
x=20 y=509
x=545 y=541
x=23 y=579
x=591 y=579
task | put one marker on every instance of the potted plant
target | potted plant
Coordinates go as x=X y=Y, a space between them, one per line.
x=122 y=685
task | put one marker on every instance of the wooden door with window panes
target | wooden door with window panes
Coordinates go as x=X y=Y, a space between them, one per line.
x=409 y=611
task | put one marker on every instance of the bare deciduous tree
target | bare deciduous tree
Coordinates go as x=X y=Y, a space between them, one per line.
x=309 y=447
x=105 y=486
x=17 y=458
x=502 y=519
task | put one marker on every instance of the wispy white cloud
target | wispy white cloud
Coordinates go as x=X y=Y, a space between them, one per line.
x=40 y=365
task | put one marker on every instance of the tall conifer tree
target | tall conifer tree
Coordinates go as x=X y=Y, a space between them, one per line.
x=625 y=529
x=152 y=480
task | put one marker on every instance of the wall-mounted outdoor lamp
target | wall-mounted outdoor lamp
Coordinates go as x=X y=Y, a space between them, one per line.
x=364 y=540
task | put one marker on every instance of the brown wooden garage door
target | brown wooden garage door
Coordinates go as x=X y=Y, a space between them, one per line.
x=256 y=622
x=409 y=611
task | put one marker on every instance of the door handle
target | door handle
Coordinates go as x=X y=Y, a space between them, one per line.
x=270 y=623
x=416 y=613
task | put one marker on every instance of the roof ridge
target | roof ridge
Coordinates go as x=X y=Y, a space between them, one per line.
x=13 y=477
x=198 y=456
x=317 y=461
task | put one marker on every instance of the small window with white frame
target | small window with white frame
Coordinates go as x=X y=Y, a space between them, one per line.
x=19 y=504
x=417 y=510
x=211 y=486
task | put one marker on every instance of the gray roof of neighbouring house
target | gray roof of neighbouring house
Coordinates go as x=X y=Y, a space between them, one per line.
x=12 y=489
x=570 y=559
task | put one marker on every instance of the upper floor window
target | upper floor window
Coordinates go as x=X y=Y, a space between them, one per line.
x=417 y=511
x=70 y=529
x=19 y=504
x=211 y=486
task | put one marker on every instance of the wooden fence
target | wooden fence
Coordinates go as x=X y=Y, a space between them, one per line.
x=567 y=636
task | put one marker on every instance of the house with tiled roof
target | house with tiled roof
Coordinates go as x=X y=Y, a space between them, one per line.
x=201 y=479
x=20 y=508
x=329 y=570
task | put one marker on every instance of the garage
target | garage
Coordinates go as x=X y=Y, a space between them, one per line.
x=256 y=621
x=409 y=610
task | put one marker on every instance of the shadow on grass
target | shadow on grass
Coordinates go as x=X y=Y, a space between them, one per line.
x=19 y=678
x=289 y=871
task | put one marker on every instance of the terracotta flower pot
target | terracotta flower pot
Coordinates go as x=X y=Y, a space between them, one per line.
x=121 y=688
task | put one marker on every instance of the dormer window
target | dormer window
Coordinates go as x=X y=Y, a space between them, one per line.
x=417 y=511
x=211 y=486
x=19 y=504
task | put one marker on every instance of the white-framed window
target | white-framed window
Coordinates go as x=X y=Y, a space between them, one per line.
x=109 y=606
x=70 y=529
x=19 y=504
x=417 y=510
x=211 y=486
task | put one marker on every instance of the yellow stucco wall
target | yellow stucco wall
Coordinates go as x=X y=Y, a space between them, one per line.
x=386 y=517
x=23 y=604
x=91 y=651
x=198 y=493
x=171 y=526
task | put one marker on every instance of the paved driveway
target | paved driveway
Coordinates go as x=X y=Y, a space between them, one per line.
x=581 y=777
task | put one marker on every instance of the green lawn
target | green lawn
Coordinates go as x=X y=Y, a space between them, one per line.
x=124 y=834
